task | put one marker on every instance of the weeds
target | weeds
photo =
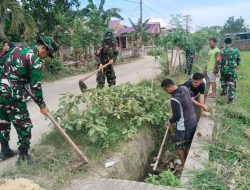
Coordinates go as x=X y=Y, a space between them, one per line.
x=166 y=178
x=229 y=165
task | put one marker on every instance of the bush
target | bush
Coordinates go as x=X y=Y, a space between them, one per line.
x=166 y=178
x=155 y=52
x=112 y=114
x=53 y=66
x=164 y=63
x=54 y=69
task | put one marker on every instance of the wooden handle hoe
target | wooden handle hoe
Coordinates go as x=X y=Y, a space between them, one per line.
x=82 y=157
x=82 y=85
x=160 y=151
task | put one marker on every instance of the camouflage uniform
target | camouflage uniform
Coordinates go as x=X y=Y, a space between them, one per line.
x=106 y=52
x=19 y=66
x=230 y=60
x=190 y=53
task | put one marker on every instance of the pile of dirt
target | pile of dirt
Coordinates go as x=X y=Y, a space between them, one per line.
x=18 y=184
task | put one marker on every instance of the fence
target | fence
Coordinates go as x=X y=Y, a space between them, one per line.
x=242 y=45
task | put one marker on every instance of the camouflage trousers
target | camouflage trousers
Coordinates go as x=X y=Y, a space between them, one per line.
x=188 y=66
x=228 y=84
x=15 y=112
x=101 y=77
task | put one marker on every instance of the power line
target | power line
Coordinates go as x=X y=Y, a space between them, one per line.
x=154 y=11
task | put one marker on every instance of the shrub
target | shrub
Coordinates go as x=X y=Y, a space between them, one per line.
x=166 y=178
x=113 y=113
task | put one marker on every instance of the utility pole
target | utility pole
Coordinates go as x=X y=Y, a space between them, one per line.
x=187 y=18
x=141 y=24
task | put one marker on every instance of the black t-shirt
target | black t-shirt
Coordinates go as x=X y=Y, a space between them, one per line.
x=200 y=89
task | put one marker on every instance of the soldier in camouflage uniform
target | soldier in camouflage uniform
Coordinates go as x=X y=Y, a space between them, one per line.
x=230 y=60
x=21 y=66
x=107 y=53
x=190 y=53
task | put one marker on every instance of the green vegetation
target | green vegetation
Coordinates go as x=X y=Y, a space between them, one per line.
x=229 y=165
x=54 y=69
x=113 y=114
x=166 y=178
x=98 y=121
x=155 y=52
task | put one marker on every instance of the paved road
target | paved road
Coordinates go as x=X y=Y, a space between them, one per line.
x=133 y=72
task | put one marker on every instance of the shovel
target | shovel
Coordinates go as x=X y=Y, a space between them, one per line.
x=82 y=157
x=82 y=85
x=160 y=151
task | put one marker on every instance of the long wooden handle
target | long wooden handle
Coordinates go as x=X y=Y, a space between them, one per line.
x=160 y=151
x=85 y=78
x=68 y=139
x=63 y=133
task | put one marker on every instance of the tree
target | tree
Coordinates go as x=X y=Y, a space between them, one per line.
x=177 y=21
x=200 y=38
x=45 y=12
x=15 y=22
x=234 y=25
x=139 y=31
x=98 y=18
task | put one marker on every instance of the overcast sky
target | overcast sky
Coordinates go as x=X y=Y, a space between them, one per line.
x=203 y=12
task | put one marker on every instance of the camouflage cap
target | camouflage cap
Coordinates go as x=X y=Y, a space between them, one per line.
x=228 y=40
x=108 y=34
x=49 y=42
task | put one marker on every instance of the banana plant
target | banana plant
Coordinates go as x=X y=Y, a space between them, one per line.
x=15 y=21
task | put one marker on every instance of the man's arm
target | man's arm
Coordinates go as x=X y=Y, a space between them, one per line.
x=201 y=102
x=176 y=112
x=218 y=58
x=238 y=57
x=34 y=65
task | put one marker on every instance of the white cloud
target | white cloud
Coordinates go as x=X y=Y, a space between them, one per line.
x=158 y=19
x=217 y=14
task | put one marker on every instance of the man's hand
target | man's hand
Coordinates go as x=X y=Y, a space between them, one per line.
x=205 y=107
x=168 y=125
x=44 y=111
x=111 y=61
x=100 y=67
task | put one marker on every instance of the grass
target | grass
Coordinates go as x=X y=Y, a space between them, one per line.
x=229 y=164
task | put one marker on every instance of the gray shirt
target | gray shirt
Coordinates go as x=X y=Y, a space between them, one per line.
x=182 y=109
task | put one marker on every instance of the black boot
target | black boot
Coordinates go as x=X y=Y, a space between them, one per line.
x=230 y=101
x=6 y=152
x=223 y=93
x=24 y=157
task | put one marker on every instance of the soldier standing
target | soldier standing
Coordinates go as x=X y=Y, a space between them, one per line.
x=190 y=53
x=106 y=54
x=19 y=67
x=230 y=60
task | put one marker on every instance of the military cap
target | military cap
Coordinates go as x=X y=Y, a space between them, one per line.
x=49 y=43
x=108 y=34
x=228 y=40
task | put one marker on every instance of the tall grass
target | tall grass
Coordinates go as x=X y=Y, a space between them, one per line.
x=229 y=164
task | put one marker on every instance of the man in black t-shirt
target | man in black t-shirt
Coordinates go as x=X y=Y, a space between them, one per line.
x=197 y=87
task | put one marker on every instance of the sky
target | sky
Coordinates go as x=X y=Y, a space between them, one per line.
x=203 y=12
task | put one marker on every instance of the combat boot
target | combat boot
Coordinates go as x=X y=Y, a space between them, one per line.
x=230 y=101
x=223 y=93
x=24 y=157
x=6 y=152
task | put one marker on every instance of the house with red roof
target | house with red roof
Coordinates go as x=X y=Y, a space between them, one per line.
x=123 y=36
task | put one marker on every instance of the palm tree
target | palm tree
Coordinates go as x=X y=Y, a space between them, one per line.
x=20 y=21
x=98 y=18
x=139 y=31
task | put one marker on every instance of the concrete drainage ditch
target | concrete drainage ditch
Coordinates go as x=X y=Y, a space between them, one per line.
x=131 y=162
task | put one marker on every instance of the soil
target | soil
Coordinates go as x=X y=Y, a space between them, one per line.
x=18 y=184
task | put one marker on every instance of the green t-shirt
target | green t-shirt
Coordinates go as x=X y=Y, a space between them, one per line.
x=212 y=59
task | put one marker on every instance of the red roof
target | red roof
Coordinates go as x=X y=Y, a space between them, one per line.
x=153 y=28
